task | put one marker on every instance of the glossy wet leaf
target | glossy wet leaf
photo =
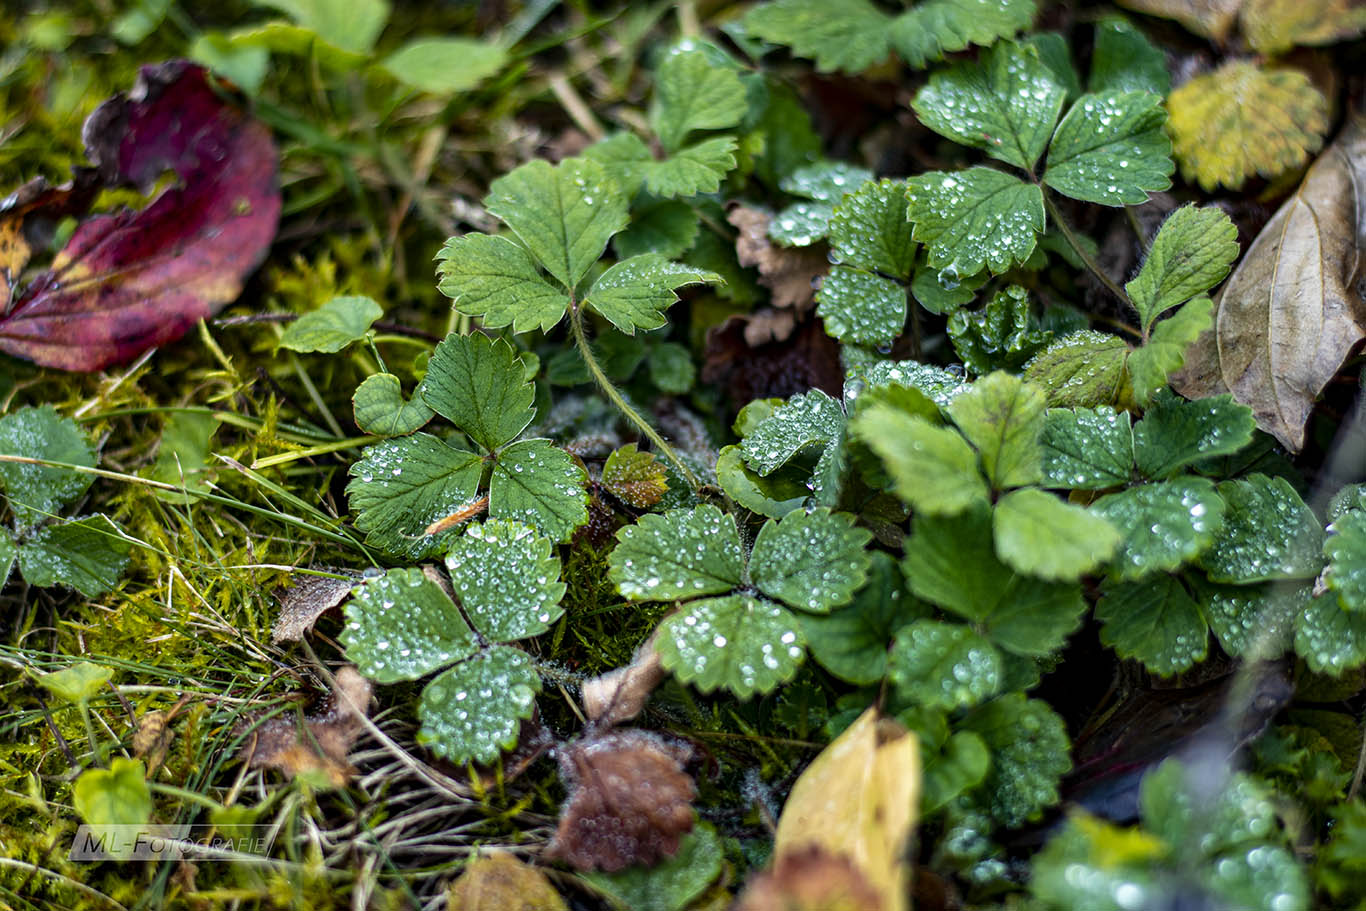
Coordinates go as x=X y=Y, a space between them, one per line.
x=1175 y=433
x=974 y=219
x=88 y=554
x=809 y=423
x=1252 y=621
x=1155 y=622
x=861 y=308
x=851 y=642
x=401 y=626
x=476 y=709
x=1029 y=754
x=1089 y=863
x=1111 y=149
x=1163 y=525
x=8 y=551
x=443 y=66
x=739 y=643
x=673 y=883
x=943 y=665
x=847 y=36
x=333 y=326
x=541 y=485
x=1087 y=448
x=1003 y=417
x=1345 y=549
x=773 y=496
x=929 y=30
x=35 y=492
x=480 y=386
x=76 y=684
x=379 y=407
x=1001 y=334
x=1164 y=352
x=932 y=468
x=946 y=296
x=939 y=385
x=1081 y=369
x=680 y=554
x=1330 y=640
x=633 y=294
x=1124 y=60
x=1268 y=533
x=1041 y=535
x=826 y=182
x=1191 y=253
x=801 y=224
x=869 y=230
x=692 y=93
x=506 y=578
x=498 y=281
x=813 y=561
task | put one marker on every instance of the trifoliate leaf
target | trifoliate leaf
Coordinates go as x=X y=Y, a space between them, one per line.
x=1175 y=433
x=1268 y=533
x=480 y=386
x=1003 y=417
x=1029 y=754
x=813 y=561
x=807 y=423
x=333 y=326
x=634 y=293
x=1040 y=535
x=1124 y=60
x=692 y=93
x=739 y=643
x=444 y=66
x=1345 y=549
x=1080 y=370
x=1329 y=639
x=870 y=231
x=1156 y=622
x=565 y=214
x=698 y=168
x=671 y=885
x=1000 y=335
x=943 y=665
x=861 y=308
x=932 y=468
x=773 y=496
x=401 y=486
x=667 y=228
x=1253 y=621
x=974 y=219
x=929 y=30
x=1165 y=351
x=475 y=709
x=1087 y=448
x=507 y=580
x=380 y=407
x=537 y=483
x=635 y=478
x=846 y=35
x=1163 y=525
x=1275 y=26
x=87 y=554
x=671 y=368
x=1193 y=251
x=851 y=642
x=1111 y=149
x=401 y=626
x=1242 y=120
x=35 y=492
x=496 y=280
x=1006 y=104
x=681 y=554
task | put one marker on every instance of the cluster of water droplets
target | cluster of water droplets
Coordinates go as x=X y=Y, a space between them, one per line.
x=506 y=579
x=475 y=709
x=741 y=643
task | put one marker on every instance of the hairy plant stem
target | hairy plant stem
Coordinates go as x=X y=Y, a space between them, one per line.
x=1056 y=214
x=616 y=398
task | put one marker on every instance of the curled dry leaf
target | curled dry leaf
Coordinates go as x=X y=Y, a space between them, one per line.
x=328 y=735
x=129 y=281
x=810 y=879
x=500 y=882
x=1294 y=308
x=153 y=738
x=789 y=273
x=307 y=599
x=630 y=801
x=619 y=695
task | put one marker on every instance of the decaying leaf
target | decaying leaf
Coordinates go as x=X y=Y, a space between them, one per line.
x=129 y=281
x=630 y=801
x=1293 y=308
x=810 y=879
x=1210 y=18
x=788 y=272
x=858 y=799
x=808 y=358
x=500 y=882
x=1272 y=26
x=635 y=478
x=328 y=736
x=307 y=599
x=618 y=695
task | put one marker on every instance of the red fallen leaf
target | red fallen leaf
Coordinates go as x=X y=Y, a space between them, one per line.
x=130 y=281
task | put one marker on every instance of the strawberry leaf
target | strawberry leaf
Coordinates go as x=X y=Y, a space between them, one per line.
x=507 y=580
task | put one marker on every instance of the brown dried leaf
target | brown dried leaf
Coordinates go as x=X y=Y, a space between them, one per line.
x=620 y=694
x=500 y=882
x=1293 y=308
x=307 y=599
x=809 y=358
x=630 y=801
x=788 y=272
x=152 y=739
x=1210 y=18
x=327 y=738
x=810 y=879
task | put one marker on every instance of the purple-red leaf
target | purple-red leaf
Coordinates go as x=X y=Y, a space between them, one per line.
x=130 y=281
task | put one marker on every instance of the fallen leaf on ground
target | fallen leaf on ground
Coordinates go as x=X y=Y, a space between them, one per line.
x=619 y=695
x=327 y=737
x=129 y=281
x=303 y=601
x=500 y=882
x=1210 y=18
x=1293 y=309
x=810 y=879
x=788 y=272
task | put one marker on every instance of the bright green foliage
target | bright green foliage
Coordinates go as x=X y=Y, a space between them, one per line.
x=539 y=484
x=1038 y=534
x=1003 y=417
x=806 y=424
x=78 y=683
x=1163 y=525
x=974 y=219
x=773 y=496
x=678 y=555
x=333 y=326
x=115 y=796
x=507 y=579
x=478 y=385
x=634 y=477
x=349 y=26
x=939 y=385
x=380 y=407
x=851 y=642
x=1193 y=251
x=400 y=487
x=1342 y=861
x=932 y=468
x=183 y=455
x=929 y=30
x=443 y=66
x=1268 y=533
x=1253 y=620
x=1111 y=149
x=692 y=93
x=36 y=492
x=1175 y=433
x=1329 y=639
x=739 y=643
x=962 y=763
x=813 y=560
x=1087 y=448
x=943 y=665
x=668 y=228
x=869 y=230
x=1345 y=549
x=495 y=279
x=1156 y=622
x=475 y=709
x=634 y=293
x=860 y=307
x=1080 y=370
x=1001 y=334
x=88 y=554
x=1124 y=60
x=1029 y=754
x=672 y=884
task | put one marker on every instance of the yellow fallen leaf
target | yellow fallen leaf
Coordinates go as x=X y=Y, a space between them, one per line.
x=1211 y=18
x=501 y=882
x=1273 y=26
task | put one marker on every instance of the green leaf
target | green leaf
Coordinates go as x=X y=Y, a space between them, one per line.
x=479 y=385
x=1029 y=754
x=634 y=293
x=401 y=626
x=1089 y=863
x=496 y=280
x=88 y=554
x=1087 y=448
x=961 y=764
x=443 y=66
x=401 y=486
x=681 y=554
x=738 y=643
x=475 y=709
x=673 y=883
x=1000 y=335
x=625 y=157
x=1165 y=351
x=1033 y=618
x=1156 y=622
x=1040 y=535
x=698 y=168
x=1193 y=251
x=8 y=551
x=1003 y=417
x=939 y=385
x=1055 y=54
x=76 y=684
x=975 y=218
x=1005 y=104
x=635 y=478
x=671 y=368
x=1268 y=533
x=932 y=468
x=773 y=496
x=1330 y=640
x=183 y=454
x=826 y=181
x=692 y=93
x=943 y=665
x=801 y=224
x=1080 y=370
x=245 y=66
x=947 y=296
x=1345 y=548
x=851 y=642
x=934 y=28
x=1124 y=60
x=813 y=561
x=540 y=484
x=380 y=407
x=351 y=26
x=869 y=230
x=1164 y=525
x=807 y=423
x=333 y=326
x=36 y=492
x=565 y=214
x=507 y=580
x=1252 y=621
x=790 y=140
x=861 y=308
x=668 y=228
x=847 y=36
x=1175 y=433
x=1111 y=149
x=117 y=796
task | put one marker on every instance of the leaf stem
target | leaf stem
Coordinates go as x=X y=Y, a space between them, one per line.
x=616 y=398
x=1056 y=214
